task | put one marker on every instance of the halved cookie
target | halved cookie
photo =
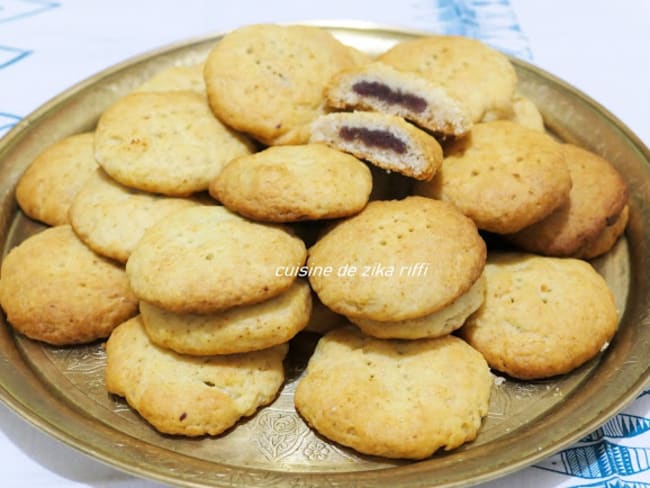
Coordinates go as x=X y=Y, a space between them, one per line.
x=382 y=88
x=384 y=140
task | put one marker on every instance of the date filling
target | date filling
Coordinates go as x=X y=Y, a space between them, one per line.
x=382 y=139
x=386 y=94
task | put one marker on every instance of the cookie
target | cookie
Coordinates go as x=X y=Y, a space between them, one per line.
x=176 y=78
x=50 y=183
x=397 y=399
x=608 y=237
x=387 y=141
x=437 y=324
x=186 y=395
x=241 y=329
x=542 y=316
x=480 y=76
x=503 y=176
x=206 y=259
x=524 y=112
x=397 y=260
x=56 y=290
x=166 y=142
x=597 y=198
x=323 y=319
x=268 y=80
x=111 y=218
x=292 y=183
x=384 y=89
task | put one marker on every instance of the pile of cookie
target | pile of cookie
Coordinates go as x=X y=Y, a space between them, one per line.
x=185 y=225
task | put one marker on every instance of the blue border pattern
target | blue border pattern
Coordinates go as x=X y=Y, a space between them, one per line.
x=17 y=9
x=7 y=121
x=10 y=55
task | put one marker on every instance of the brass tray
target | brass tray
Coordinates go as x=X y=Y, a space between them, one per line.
x=61 y=390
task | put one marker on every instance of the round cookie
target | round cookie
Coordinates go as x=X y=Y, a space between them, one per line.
x=185 y=395
x=206 y=259
x=292 y=183
x=480 y=76
x=176 y=78
x=597 y=198
x=56 y=290
x=503 y=176
x=524 y=112
x=240 y=329
x=165 y=142
x=541 y=316
x=608 y=237
x=111 y=218
x=268 y=80
x=50 y=183
x=387 y=141
x=437 y=324
x=397 y=399
x=397 y=260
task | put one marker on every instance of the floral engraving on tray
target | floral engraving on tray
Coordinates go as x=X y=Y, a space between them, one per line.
x=280 y=434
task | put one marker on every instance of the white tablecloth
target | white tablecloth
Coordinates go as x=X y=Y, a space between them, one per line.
x=600 y=46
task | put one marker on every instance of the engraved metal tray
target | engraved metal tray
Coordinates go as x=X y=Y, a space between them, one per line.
x=61 y=390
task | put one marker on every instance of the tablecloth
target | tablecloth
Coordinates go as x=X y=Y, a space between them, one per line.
x=600 y=46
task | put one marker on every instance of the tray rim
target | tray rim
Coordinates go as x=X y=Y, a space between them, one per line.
x=29 y=414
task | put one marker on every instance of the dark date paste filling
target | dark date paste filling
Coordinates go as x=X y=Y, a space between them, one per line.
x=375 y=138
x=385 y=93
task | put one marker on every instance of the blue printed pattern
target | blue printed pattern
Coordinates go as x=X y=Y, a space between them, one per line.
x=492 y=21
x=7 y=121
x=16 y=9
x=10 y=55
x=615 y=482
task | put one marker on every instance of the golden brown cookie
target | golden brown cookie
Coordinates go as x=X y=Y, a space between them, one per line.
x=268 y=80
x=236 y=330
x=56 y=290
x=503 y=176
x=111 y=218
x=541 y=316
x=398 y=399
x=397 y=260
x=176 y=78
x=480 y=76
x=50 y=183
x=437 y=324
x=524 y=112
x=608 y=237
x=387 y=141
x=597 y=198
x=382 y=88
x=206 y=259
x=186 y=395
x=165 y=142
x=292 y=183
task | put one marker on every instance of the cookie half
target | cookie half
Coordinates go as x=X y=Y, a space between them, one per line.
x=503 y=176
x=185 y=395
x=483 y=78
x=46 y=190
x=292 y=183
x=382 y=88
x=397 y=399
x=397 y=260
x=56 y=290
x=384 y=140
x=268 y=80
x=206 y=259
x=542 y=316
x=165 y=142
x=597 y=198
x=240 y=329
x=437 y=324
x=111 y=218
